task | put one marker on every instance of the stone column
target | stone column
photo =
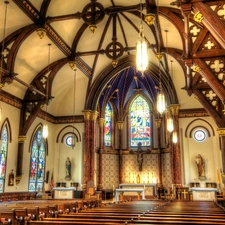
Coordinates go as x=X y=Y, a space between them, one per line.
x=120 y=128
x=175 y=147
x=86 y=157
x=221 y=132
x=93 y=118
x=158 y=125
x=101 y=146
x=21 y=140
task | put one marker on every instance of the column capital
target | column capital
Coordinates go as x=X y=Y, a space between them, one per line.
x=87 y=114
x=94 y=115
x=221 y=131
x=174 y=109
x=101 y=122
x=22 y=139
x=158 y=122
x=120 y=125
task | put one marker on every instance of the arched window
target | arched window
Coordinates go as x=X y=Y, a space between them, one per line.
x=3 y=156
x=140 y=122
x=37 y=162
x=108 y=125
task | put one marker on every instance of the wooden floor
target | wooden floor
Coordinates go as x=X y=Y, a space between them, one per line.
x=79 y=211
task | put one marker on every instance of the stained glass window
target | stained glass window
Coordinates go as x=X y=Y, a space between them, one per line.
x=108 y=125
x=140 y=122
x=37 y=162
x=3 y=157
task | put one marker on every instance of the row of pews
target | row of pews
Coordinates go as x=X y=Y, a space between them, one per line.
x=89 y=212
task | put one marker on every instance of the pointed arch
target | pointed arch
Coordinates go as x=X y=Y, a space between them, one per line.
x=37 y=160
x=6 y=121
x=139 y=122
x=108 y=125
x=5 y=131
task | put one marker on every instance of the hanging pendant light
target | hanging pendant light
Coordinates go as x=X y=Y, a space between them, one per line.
x=73 y=137
x=2 y=56
x=45 y=127
x=170 y=126
x=175 y=138
x=161 y=102
x=141 y=48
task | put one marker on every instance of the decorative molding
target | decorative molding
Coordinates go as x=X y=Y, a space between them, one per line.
x=87 y=114
x=198 y=17
x=158 y=122
x=221 y=131
x=22 y=139
x=120 y=125
x=93 y=115
x=198 y=112
x=101 y=122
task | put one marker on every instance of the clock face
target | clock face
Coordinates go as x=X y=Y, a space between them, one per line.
x=199 y=135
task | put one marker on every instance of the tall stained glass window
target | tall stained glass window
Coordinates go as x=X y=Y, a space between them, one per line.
x=3 y=157
x=108 y=125
x=37 y=162
x=140 y=122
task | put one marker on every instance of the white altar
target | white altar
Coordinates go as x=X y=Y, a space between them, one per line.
x=204 y=194
x=150 y=188
x=122 y=190
x=64 y=193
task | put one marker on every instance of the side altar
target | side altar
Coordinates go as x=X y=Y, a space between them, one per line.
x=204 y=194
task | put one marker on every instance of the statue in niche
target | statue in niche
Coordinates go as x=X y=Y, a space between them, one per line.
x=140 y=154
x=201 y=166
x=68 y=169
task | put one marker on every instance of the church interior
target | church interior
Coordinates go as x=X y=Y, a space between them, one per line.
x=119 y=99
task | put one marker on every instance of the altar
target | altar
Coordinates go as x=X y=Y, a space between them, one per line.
x=64 y=193
x=120 y=191
x=204 y=194
x=150 y=188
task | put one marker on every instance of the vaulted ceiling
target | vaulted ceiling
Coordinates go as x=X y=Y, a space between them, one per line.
x=189 y=33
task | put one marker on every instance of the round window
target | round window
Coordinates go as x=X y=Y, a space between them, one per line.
x=199 y=135
x=69 y=141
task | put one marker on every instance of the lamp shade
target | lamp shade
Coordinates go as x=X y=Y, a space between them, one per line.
x=161 y=103
x=170 y=126
x=45 y=131
x=174 y=138
x=141 y=54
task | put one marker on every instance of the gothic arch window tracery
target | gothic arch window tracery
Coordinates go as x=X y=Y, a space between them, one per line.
x=108 y=125
x=140 y=124
x=37 y=162
x=3 y=156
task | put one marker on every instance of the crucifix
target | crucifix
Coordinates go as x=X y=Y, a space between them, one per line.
x=184 y=193
x=140 y=154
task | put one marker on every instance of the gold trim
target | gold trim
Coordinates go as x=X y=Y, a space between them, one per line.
x=18 y=179
x=174 y=109
x=87 y=114
x=94 y=115
x=158 y=122
x=221 y=131
x=101 y=122
x=150 y=18
x=120 y=125
x=22 y=139
x=198 y=17
x=197 y=68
